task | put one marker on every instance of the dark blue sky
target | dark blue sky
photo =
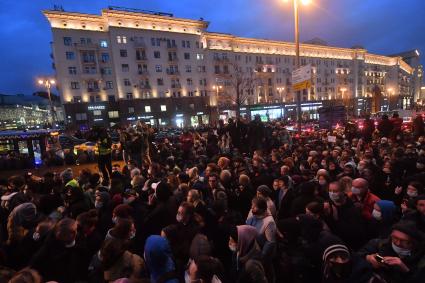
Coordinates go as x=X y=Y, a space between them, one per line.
x=381 y=26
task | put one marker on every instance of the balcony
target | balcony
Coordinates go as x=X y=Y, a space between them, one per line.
x=174 y=59
x=141 y=58
x=221 y=60
x=86 y=46
x=172 y=47
x=173 y=72
x=145 y=86
x=92 y=90
x=143 y=72
x=176 y=86
x=139 y=44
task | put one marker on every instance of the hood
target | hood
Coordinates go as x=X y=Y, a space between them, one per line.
x=158 y=256
x=387 y=210
x=246 y=237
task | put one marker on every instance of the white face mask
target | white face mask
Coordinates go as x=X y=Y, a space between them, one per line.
x=179 y=217
x=322 y=182
x=400 y=251
x=98 y=204
x=334 y=196
x=377 y=214
x=412 y=194
x=132 y=235
x=70 y=245
x=36 y=236
x=132 y=183
x=355 y=191
x=115 y=220
x=232 y=248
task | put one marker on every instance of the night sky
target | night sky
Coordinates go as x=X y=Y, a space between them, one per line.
x=381 y=26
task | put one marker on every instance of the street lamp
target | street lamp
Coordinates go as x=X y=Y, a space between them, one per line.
x=297 y=54
x=47 y=83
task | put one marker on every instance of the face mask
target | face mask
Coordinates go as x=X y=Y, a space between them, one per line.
x=323 y=164
x=179 y=218
x=400 y=251
x=98 y=204
x=115 y=220
x=341 y=270
x=232 y=248
x=334 y=196
x=70 y=245
x=322 y=182
x=36 y=236
x=187 y=277
x=132 y=183
x=132 y=235
x=355 y=191
x=377 y=214
x=412 y=194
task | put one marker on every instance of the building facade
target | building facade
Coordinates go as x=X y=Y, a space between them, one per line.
x=26 y=112
x=126 y=60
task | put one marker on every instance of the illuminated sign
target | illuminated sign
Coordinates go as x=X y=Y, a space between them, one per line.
x=144 y=117
x=179 y=115
x=200 y=113
x=96 y=107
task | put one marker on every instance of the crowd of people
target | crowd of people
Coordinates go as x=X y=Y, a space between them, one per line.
x=243 y=202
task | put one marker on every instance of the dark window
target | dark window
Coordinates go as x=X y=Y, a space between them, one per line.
x=123 y=52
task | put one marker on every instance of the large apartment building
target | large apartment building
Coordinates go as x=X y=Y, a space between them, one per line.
x=127 y=64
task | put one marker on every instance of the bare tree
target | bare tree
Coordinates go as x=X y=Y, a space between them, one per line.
x=242 y=84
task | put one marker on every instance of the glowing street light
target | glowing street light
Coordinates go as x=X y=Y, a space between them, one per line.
x=47 y=83
x=297 y=53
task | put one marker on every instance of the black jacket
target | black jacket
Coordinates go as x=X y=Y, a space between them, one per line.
x=392 y=274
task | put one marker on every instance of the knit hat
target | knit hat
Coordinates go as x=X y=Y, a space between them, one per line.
x=337 y=248
x=264 y=190
x=409 y=228
x=67 y=175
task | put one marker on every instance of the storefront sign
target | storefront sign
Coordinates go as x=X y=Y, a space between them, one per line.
x=96 y=107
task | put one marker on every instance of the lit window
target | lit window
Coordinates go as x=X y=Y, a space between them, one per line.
x=97 y=112
x=103 y=44
x=163 y=108
x=130 y=109
x=147 y=109
x=113 y=114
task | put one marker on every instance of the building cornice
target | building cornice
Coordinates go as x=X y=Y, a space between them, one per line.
x=123 y=19
x=221 y=41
